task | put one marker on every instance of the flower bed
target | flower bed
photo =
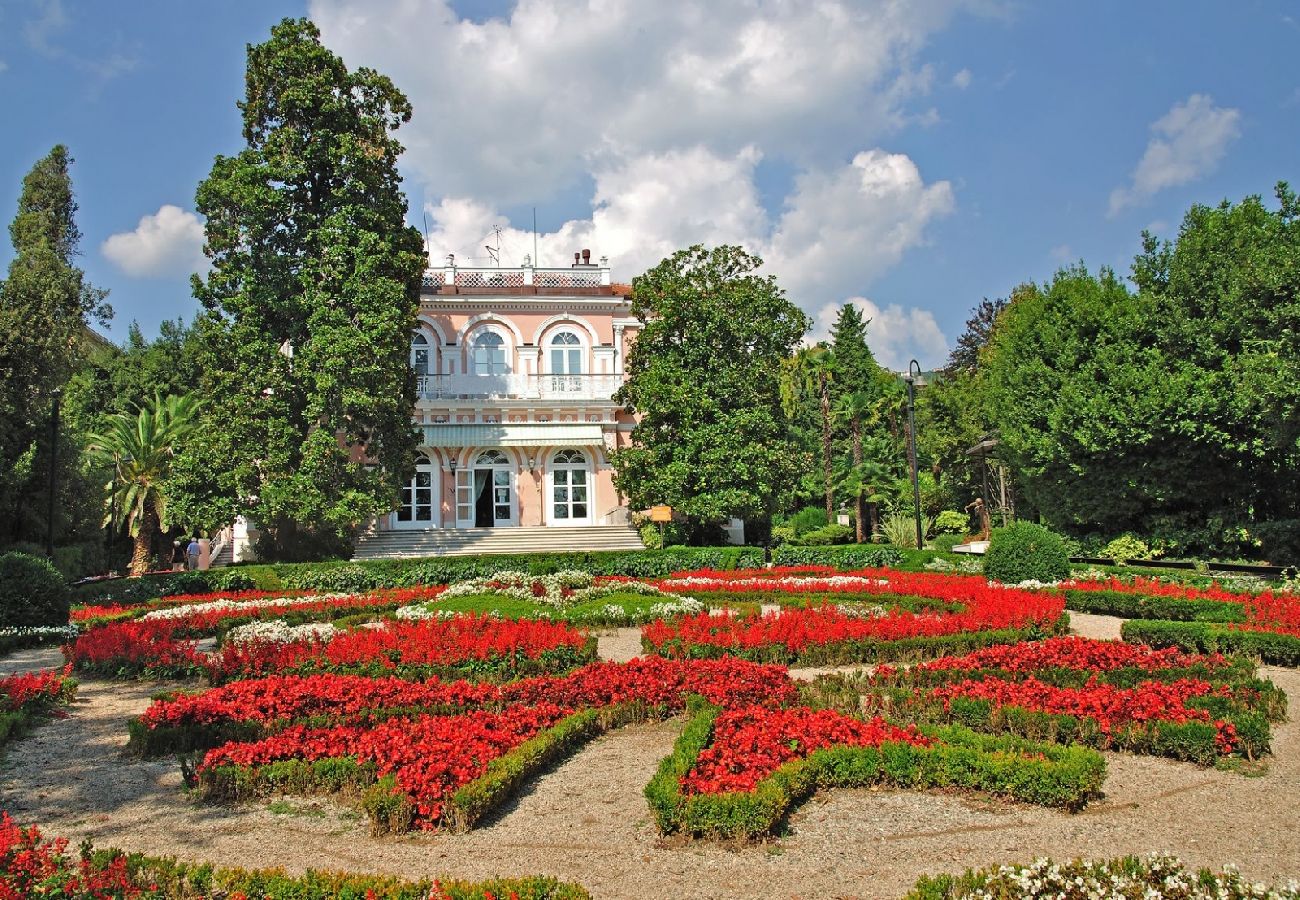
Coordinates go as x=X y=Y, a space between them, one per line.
x=1126 y=878
x=1277 y=648
x=482 y=646
x=981 y=614
x=32 y=865
x=422 y=768
x=28 y=697
x=872 y=754
x=111 y=612
x=1105 y=694
x=163 y=645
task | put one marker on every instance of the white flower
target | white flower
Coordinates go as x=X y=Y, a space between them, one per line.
x=280 y=632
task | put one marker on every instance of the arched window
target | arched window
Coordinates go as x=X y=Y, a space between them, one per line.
x=488 y=354
x=421 y=354
x=566 y=354
x=492 y=458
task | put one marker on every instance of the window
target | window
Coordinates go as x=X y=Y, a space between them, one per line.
x=491 y=458
x=566 y=354
x=488 y=354
x=569 y=488
x=421 y=354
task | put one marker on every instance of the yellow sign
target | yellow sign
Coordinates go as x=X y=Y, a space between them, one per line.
x=661 y=514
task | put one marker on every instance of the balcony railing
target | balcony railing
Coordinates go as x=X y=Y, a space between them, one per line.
x=558 y=388
x=477 y=278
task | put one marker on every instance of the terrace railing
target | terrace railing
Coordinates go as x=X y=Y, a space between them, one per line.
x=555 y=388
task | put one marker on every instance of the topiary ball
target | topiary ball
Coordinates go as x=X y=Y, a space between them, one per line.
x=32 y=592
x=1026 y=552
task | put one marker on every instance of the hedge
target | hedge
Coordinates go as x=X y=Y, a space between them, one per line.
x=1210 y=637
x=853 y=556
x=365 y=575
x=1147 y=606
x=178 y=880
x=1044 y=774
x=15 y=722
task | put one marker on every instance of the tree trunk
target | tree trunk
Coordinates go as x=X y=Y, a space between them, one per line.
x=856 y=427
x=143 y=552
x=826 y=450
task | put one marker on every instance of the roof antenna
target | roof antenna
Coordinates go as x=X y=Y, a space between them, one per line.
x=427 y=248
x=494 y=253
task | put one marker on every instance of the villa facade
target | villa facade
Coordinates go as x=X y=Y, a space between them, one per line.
x=516 y=369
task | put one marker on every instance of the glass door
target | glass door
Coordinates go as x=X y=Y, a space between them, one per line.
x=419 y=497
x=570 y=489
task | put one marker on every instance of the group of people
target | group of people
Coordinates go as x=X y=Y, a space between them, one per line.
x=185 y=556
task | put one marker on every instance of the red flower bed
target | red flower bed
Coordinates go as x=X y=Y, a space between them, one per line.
x=1271 y=611
x=1068 y=653
x=31 y=690
x=432 y=755
x=750 y=744
x=161 y=645
x=430 y=642
x=31 y=866
x=1111 y=707
x=986 y=608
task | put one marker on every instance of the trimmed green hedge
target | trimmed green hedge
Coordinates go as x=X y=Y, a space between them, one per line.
x=381 y=573
x=1147 y=606
x=178 y=880
x=852 y=556
x=1210 y=637
x=1063 y=777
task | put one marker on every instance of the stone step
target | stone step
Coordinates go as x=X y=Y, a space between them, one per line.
x=464 y=542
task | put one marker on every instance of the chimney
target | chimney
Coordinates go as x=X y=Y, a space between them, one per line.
x=576 y=258
x=586 y=257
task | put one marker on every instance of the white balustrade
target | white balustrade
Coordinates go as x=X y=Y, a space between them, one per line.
x=556 y=388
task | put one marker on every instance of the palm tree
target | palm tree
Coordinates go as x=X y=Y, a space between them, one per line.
x=811 y=371
x=140 y=448
x=861 y=411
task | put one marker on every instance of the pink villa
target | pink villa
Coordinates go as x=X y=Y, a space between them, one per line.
x=516 y=371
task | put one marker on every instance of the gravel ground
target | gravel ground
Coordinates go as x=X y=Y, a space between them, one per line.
x=587 y=819
x=619 y=644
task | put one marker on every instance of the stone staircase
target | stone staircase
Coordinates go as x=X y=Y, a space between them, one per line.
x=374 y=544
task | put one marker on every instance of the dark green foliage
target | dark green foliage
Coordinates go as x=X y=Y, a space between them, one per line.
x=856 y=556
x=32 y=592
x=1026 y=551
x=1048 y=775
x=309 y=307
x=46 y=307
x=1210 y=637
x=704 y=376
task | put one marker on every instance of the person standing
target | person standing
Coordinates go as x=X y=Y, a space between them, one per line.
x=192 y=554
x=178 y=556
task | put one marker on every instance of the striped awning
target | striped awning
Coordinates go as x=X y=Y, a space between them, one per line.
x=515 y=434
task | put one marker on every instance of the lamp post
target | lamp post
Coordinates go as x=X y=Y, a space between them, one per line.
x=54 y=468
x=912 y=376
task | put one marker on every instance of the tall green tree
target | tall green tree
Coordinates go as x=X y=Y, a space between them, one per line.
x=309 y=306
x=861 y=411
x=704 y=374
x=138 y=448
x=809 y=374
x=46 y=305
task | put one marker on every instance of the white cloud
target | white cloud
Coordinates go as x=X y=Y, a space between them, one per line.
x=669 y=110
x=168 y=243
x=895 y=335
x=962 y=79
x=1187 y=142
x=517 y=109
x=1062 y=253
x=4 y=67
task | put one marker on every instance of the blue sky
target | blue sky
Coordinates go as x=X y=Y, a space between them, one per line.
x=911 y=158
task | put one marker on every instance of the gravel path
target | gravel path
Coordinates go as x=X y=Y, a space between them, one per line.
x=587 y=820
x=33 y=659
x=619 y=644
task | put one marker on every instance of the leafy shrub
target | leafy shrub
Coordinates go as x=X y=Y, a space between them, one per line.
x=946 y=542
x=1211 y=637
x=32 y=592
x=824 y=536
x=809 y=518
x=348 y=579
x=1126 y=547
x=1026 y=552
x=899 y=529
x=950 y=521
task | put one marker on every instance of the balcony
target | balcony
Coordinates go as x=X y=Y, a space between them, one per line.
x=548 y=388
x=579 y=279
